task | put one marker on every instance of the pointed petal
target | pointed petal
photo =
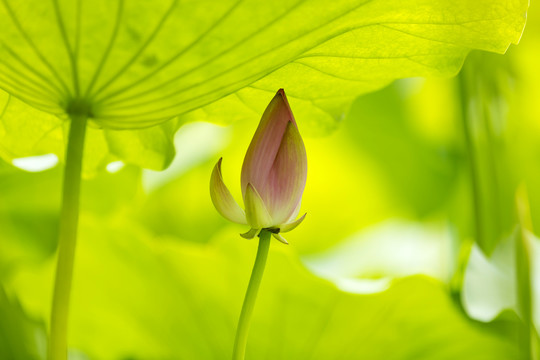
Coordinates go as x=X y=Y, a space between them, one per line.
x=256 y=214
x=292 y=225
x=280 y=238
x=287 y=178
x=266 y=142
x=250 y=234
x=295 y=213
x=222 y=198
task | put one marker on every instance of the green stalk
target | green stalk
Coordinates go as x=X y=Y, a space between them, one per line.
x=466 y=246
x=524 y=295
x=251 y=295
x=69 y=218
x=524 y=286
x=471 y=156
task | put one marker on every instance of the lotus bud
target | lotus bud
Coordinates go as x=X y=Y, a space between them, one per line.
x=273 y=175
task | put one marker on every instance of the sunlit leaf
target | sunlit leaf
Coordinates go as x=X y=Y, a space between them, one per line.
x=173 y=299
x=135 y=64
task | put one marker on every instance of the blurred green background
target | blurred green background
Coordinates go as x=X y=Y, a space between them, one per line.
x=384 y=266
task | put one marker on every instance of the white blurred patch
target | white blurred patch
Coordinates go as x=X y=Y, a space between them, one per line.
x=490 y=283
x=195 y=143
x=368 y=261
x=115 y=166
x=363 y=286
x=36 y=163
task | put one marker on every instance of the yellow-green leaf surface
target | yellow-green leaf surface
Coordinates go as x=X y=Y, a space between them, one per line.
x=21 y=338
x=178 y=300
x=137 y=63
x=30 y=205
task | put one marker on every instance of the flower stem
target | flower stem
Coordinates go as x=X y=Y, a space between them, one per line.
x=251 y=295
x=524 y=280
x=57 y=349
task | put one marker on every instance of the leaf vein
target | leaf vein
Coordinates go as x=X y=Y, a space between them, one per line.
x=105 y=57
x=193 y=69
x=33 y=46
x=65 y=40
x=138 y=53
x=174 y=57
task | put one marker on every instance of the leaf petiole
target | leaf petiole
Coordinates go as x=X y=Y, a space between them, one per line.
x=69 y=218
